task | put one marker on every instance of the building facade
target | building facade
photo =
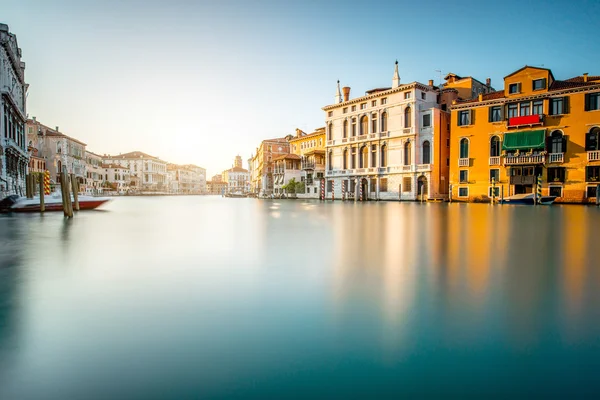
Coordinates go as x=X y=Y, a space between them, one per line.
x=116 y=179
x=94 y=173
x=58 y=150
x=216 y=186
x=390 y=144
x=237 y=178
x=150 y=171
x=536 y=127
x=14 y=157
x=286 y=168
x=310 y=147
x=262 y=170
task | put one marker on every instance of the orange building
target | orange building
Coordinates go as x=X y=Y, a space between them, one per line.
x=536 y=126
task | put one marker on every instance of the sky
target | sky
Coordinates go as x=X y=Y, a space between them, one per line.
x=203 y=81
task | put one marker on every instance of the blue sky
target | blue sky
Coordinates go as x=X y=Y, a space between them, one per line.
x=201 y=81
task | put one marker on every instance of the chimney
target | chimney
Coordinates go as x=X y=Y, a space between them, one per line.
x=585 y=76
x=431 y=82
x=480 y=97
x=346 y=91
x=488 y=82
x=57 y=129
x=34 y=119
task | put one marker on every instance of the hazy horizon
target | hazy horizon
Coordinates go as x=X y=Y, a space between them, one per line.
x=201 y=82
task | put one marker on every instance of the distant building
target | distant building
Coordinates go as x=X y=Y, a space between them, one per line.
x=216 y=187
x=14 y=157
x=94 y=173
x=116 y=178
x=58 y=150
x=237 y=178
x=286 y=168
x=311 y=149
x=262 y=182
x=186 y=179
x=151 y=171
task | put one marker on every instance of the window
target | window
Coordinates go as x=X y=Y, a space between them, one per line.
x=353 y=158
x=426 y=120
x=345 y=160
x=384 y=122
x=329 y=186
x=494 y=175
x=383 y=184
x=539 y=84
x=464 y=148
x=364 y=124
x=495 y=114
x=407 y=153
x=353 y=126
x=495 y=146
x=345 y=110
x=364 y=154
x=525 y=109
x=353 y=108
x=383 y=156
x=592 y=101
x=463 y=192
x=495 y=190
x=426 y=152
x=592 y=140
x=384 y=101
x=330 y=161
x=406 y=95
x=514 y=88
x=557 y=142
x=406 y=184
x=592 y=174
x=592 y=191
x=373 y=156
x=345 y=129
x=513 y=110
x=556 y=174
x=330 y=132
x=373 y=103
x=407 y=117
x=557 y=106
x=363 y=106
x=373 y=123
x=464 y=117
x=555 y=191
x=330 y=114
x=423 y=96
x=463 y=176
x=538 y=107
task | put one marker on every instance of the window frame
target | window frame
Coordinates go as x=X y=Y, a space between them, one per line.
x=542 y=87
x=428 y=124
x=465 y=173
x=460 y=121
x=497 y=175
x=460 y=189
x=492 y=114
x=516 y=86
x=550 y=187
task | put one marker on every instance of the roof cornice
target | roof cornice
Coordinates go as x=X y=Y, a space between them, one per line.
x=413 y=85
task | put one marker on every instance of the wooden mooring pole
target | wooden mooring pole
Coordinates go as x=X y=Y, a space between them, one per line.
x=42 y=198
x=66 y=195
x=75 y=186
x=598 y=195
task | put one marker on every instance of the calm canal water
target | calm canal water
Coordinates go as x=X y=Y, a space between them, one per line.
x=207 y=297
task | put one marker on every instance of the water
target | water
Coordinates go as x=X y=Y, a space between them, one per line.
x=206 y=297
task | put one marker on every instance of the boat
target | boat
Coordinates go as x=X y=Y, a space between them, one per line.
x=236 y=194
x=527 y=198
x=52 y=202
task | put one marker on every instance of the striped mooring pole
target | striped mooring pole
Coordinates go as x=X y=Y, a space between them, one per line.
x=46 y=182
x=343 y=189
x=360 y=194
x=332 y=190
x=322 y=189
x=539 y=189
x=493 y=190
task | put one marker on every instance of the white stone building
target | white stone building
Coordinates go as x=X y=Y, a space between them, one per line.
x=287 y=167
x=237 y=178
x=13 y=144
x=58 y=150
x=383 y=144
x=116 y=178
x=94 y=173
x=150 y=171
x=186 y=179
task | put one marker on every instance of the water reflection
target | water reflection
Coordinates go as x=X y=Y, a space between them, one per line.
x=224 y=297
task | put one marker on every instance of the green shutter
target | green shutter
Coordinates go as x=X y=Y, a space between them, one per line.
x=587 y=102
x=566 y=105
x=524 y=140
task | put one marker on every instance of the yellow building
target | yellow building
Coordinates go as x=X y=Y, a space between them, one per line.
x=536 y=126
x=311 y=149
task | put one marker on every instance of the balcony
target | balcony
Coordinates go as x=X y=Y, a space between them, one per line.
x=556 y=157
x=384 y=134
x=522 y=180
x=535 y=119
x=308 y=165
x=494 y=160
x=593 y=155
x=516 y=160
x=463 y=162
x=423 y=167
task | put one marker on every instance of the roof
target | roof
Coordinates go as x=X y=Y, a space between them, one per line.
x=316 y=151
x=114 y=166
x=288 y=157
x=377 y=90
x=529 y=66
x=568 y=84
x=318 y=132
x=499 y=94
x=237 y=169
x=134 y=154
x=58 y=134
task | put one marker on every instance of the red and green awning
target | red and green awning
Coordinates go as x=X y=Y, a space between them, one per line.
x=524 y=140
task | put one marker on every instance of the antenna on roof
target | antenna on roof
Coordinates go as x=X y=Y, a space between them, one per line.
x=440 y=72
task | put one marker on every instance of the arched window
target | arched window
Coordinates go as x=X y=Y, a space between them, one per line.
x=384 y=122
x=330 y=132
x=373 y=156
x=364 y=125
x=373 y=123
x=426 y=152
x=330 y=161
x=383 y=156
x=495 y=146
x=407 y=117
x=345 y=160
x=364 y=155
x=464 y=148
x=557 y=142
x=353 y=126
x=592 y=140
x=345 y=129
x=407 y=153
